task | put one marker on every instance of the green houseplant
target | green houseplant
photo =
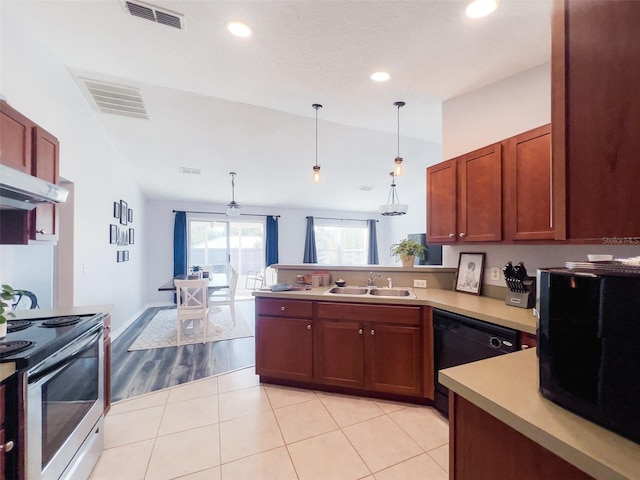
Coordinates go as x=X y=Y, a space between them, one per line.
x=5 y=298
x=407 y=251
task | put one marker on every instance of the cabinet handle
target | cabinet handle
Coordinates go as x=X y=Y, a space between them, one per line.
x=462 y=234
x=360 y=332
x=451 y=235
x=523 y=347
x=309 y=327
x=373 y=332
x=282 y=309
x=7 y=447
x=40 y=232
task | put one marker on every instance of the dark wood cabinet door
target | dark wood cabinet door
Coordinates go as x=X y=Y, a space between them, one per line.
x=441 y=202
x=394 y=358
x=284 y=348
x=480 y=195
x=15 y=139
x=527 y=200
x=595 y=117
x=44 y=222
x=339 y=353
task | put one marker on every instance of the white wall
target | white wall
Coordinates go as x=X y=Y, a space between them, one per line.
x=493 y=113
x=38 y=85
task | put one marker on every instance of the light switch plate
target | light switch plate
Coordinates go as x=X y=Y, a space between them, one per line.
x=420 y=283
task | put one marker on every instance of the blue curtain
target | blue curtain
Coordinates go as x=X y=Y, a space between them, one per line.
x=180 y=244
x=310 y=252
x=271 y=252
x=373 y=243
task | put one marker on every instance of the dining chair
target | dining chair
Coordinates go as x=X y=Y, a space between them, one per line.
x=227 y=297
x=192 y=298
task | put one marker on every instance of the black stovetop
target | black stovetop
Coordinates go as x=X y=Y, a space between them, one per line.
x=45 y=340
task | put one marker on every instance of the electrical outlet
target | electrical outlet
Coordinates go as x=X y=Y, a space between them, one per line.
x=85 y=267
x=495 y=273
x=420 y=283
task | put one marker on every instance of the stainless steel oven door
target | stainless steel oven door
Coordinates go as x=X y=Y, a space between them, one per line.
x=64 y=409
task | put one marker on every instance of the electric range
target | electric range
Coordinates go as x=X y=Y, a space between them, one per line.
x=55 y=401
x=29 y=342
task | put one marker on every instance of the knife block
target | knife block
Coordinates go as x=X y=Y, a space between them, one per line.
x=525 y=299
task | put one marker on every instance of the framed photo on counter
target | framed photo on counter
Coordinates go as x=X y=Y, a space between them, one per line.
x=470 y=270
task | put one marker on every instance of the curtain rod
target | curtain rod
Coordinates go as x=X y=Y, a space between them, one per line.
x=334 y=218
x=223 y=213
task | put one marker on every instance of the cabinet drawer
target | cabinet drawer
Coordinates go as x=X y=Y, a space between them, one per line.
x=284 y=308
x=370 y=313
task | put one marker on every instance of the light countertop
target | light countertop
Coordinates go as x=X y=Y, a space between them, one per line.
x=61 y=311
x=483 y=308
x=507 y=388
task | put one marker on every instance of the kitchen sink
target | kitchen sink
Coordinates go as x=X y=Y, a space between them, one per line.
x=348 y=290
x=392 y=292
x=375 y=291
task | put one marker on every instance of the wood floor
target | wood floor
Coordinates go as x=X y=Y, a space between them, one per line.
x=143 y=371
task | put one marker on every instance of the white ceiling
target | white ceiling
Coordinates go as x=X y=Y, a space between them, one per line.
x=222 y=103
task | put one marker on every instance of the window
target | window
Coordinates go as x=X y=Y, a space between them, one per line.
x=215 y=244
x=341 y=244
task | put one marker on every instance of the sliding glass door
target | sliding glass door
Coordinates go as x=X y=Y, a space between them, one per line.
x=217 y=244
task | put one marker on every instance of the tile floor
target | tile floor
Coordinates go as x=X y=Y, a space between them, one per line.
x=233 y=427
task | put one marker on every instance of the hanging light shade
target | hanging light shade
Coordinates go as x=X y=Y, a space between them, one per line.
x=398 y=160
x=316 y=167
x=233 y=209
x=393 y=207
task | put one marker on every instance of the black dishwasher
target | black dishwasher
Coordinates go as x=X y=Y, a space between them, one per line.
x=458 y=339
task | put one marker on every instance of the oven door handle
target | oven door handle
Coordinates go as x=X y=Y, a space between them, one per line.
x=60 y=358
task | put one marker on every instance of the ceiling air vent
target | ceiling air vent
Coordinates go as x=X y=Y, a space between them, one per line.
x=155 y=14
x=190 y=170
x=115 y=99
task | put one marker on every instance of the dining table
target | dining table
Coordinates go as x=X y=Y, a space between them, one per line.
x=216 y=282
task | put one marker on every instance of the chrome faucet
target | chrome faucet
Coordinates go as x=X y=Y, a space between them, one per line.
x=372 y=278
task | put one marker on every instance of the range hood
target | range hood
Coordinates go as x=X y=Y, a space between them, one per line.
x=23 y=192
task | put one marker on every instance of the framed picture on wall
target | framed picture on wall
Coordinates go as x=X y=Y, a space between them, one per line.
x=120 y=256
x=126 y=256
x=116 y=209
x=131 y=236
x=130 y=215
x=113 y=234
x=123 y=212
x=470 y=270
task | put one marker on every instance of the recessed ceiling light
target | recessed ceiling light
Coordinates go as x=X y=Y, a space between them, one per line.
x=366 y=188
x=380 y=76
x=239 y=29
x=481 y=8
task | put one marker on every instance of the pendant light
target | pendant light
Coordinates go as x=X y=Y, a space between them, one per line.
x=233 y=209
x=393 y=206
x=398 y=160
x=316 y=167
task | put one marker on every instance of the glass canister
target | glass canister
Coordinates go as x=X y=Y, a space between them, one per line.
x=326 y=279
x=315 y=280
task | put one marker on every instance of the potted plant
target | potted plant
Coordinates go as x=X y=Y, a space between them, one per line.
x=407 y=251
x=5 y=298
x=195 y=273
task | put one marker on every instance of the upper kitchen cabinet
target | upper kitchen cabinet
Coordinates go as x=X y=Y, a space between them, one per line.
x=26 y=147
x=527 y=192
x=15 y=139
x=464 y=198
x=595 y=69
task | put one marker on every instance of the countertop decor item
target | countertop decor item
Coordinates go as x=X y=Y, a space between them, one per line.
x=5 y=298
x=470 y=270
x=407 y=251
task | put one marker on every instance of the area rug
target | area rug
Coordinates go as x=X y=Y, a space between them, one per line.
x=162 y=330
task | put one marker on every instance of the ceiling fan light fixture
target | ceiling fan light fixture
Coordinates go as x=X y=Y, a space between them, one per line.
x=481 y=8
x=233 y=209
x=393 y=207
x=316 y=167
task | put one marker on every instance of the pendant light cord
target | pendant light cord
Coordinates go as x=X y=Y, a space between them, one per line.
x=316 y=106
x=398 y=104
